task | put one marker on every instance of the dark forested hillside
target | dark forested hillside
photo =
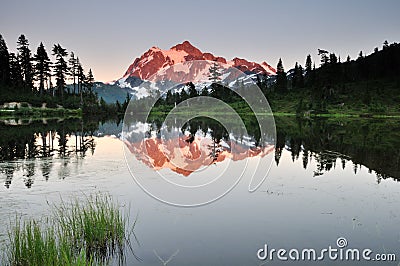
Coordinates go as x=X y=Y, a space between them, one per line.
x=367 y=84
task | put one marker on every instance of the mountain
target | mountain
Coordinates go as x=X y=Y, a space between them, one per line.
x=111 y=92
x=155 y=59
x=191 y=63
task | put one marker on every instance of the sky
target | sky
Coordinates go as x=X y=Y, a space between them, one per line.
x=108 y=35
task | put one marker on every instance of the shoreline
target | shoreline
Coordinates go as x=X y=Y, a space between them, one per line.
x=39 y=113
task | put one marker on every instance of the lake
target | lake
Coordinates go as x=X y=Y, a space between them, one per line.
x=328 y=179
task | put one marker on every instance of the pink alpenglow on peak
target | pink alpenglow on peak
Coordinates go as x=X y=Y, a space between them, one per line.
x=155 y=59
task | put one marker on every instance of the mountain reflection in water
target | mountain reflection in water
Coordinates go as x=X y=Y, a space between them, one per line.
x=32 y=147
x=198 y=144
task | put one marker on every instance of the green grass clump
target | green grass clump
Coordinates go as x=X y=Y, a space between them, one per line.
x=79 y=233
x=32 y=244
x=97 y=225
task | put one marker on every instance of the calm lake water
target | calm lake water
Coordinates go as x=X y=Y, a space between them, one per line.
x=328 y=179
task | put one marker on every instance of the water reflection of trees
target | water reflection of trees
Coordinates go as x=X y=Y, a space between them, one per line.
x=210 y=126
x=339 y=143
x=207 y=126
x=22 y=145
x=199 y=125
x=330 y=143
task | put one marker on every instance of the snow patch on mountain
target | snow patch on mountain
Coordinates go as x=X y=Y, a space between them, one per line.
x=176 y=67
x=175 y=56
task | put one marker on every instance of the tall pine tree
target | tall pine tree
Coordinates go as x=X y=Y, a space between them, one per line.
x=324 y=57
x=16 y=79
x=192 y=90
x=72 y=69
x=281 y=78
x=89 y=81
x=60 y=68
x=4 y=63
x=81 y=78
x=333 y=58
x=300 y=77
x=295 y=75
x=169 y=98
x=297 y=79
x=215 y=74
x=25 y=59
x=309 y=75
x=42 y=67
x=308 y=64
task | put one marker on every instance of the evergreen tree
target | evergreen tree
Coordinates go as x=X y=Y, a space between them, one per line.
x=300 y=77
x=42 y=67
x=348 y=58
x=183 y=95
x=324 y=57
x=89 y=81
x=16 y=79
x=309 y=71
x=215 y=74
x=308 y=64
x=295 y=75
x=60 y=68
x=281 y=78
x=81 y=78
x=24 y=57
x=4 y=62
x=385 y=44
x=72 y=69
x=126 y=102
x=204 y=91
x=192 y=90
x=176 y=98
x=169 y=98
x=333 y=59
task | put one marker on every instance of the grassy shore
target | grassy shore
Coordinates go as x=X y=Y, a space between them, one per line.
x=35 y=112
x=286 y=109
x=88 y=232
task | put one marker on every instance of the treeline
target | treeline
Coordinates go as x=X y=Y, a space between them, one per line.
x=369 y=83
x=36 y=79
x=114 y=110
x=215 y=90
x=165 y=103
x=337 y=81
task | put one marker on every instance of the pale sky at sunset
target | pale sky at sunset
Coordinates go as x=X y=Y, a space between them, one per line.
x=108 y=35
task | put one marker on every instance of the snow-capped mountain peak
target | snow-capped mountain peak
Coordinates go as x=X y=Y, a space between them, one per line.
x=180 y=64
x=155 y=59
